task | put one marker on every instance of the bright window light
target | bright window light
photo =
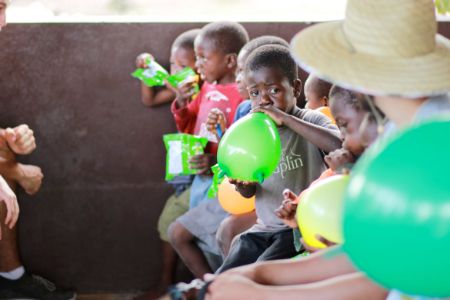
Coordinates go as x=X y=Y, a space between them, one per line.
x=32 y=11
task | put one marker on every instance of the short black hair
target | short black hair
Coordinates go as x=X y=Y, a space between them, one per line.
x=186 y=39
x=321 y=87
x=228 y=37
x=273 y=56
x=264 y=40
x=357 y=100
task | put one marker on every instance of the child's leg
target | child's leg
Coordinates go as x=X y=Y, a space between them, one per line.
x=175 y=207
x=282 y=246
x=197 y=227
x=231 y=227
x=185 y=244
x=246 y=250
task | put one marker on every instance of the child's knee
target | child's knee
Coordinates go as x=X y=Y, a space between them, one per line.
x=179 y=235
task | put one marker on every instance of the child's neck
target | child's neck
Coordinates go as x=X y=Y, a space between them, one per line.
x=227 y=79
x=399 y=110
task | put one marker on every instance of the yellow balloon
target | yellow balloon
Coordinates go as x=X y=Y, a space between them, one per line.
x=233 y=202
x=320 y=210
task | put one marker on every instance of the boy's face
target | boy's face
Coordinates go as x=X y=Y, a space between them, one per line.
x=268 y=86
x=349 y=121
x=242 y=87
x=3 y=6
x=181 y=58
x=211 y=63
x=313 y=101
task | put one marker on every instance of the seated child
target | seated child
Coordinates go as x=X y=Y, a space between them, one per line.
x=316 y=95
x=349 y=110
x=216 y=50
x=181 y=56
x=235 y=224
x=271 y=76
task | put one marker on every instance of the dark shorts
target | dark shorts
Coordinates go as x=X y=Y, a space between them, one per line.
x=251 y=247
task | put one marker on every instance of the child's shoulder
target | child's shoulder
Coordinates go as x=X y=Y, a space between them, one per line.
x=313 y=117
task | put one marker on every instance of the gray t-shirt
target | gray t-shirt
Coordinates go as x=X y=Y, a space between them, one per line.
x=301 y=163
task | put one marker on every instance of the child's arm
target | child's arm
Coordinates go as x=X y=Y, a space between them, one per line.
x=149 y=96
x=316 y=267
x=325 y=139
x=185 y=112
x=353 y=286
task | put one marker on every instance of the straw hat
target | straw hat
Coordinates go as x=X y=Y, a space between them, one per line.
x=383 y=47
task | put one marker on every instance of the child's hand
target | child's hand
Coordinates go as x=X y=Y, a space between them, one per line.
x=19 y=139
x=314 y=249
x=274 y=113
x=288 y=208
x=141 y=60
x=246 y=188
x=30 y=179
x=183 y=92
x=203 y=163
x=338 y=158
x=216 y=118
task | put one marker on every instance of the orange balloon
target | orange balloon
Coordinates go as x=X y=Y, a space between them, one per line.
x=233 y=202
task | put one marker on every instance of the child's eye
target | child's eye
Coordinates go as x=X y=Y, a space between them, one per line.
x=274 y=91
x=253 y=93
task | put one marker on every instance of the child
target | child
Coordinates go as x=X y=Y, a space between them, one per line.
x=316 y=95
x=216 y=49
x=181 y=56
x=236 y=224
x=272 y=82
x=349 y=111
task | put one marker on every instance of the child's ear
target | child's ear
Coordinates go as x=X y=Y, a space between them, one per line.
x=297 y=88
x=231 y=60
x=324 y=101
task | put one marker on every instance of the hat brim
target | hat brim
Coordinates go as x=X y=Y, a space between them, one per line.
x=323 y=50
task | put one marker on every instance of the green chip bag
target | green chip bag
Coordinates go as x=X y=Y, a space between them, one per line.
x=153 y=75
x=185 y=75
x=180 y=148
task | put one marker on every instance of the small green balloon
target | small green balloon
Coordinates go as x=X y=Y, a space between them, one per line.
x=397 y=212
x=250 y=149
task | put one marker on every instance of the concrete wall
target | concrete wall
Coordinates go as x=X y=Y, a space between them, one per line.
x=93 y=224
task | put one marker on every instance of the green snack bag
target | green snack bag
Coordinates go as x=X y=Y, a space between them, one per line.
x=153 y=75
x=180 y=148
x=185 y=75
x=218 y=177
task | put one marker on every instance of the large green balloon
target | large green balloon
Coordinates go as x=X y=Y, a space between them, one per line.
x=397 y=212
x=250 y=149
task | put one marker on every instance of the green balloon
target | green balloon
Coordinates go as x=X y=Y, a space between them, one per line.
x=250 y=149
x=397 y=212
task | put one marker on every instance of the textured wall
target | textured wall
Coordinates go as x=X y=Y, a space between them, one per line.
x=93 y=224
